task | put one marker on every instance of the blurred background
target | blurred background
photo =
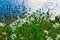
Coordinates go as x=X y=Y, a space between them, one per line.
x=12 y=7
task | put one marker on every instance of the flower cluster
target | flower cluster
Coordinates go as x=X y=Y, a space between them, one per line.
x=2 y=24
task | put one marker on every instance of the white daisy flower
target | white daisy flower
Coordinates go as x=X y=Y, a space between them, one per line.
x=49 y=38
x=32 y=18
x=58 y=36
x=2 y=24
x=20 y=24
x=12 y=26
x=56 y=25
x=45 y=31
x=28 y=14
x=13 y=36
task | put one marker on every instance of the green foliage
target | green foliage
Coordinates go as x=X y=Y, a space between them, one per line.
x=33 y=30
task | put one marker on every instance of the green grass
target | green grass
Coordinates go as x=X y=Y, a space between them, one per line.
x=32 y=30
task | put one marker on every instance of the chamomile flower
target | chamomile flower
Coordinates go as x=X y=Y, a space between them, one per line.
x=58 y=36
x=56 y=25
x=45 y=31
x=13 y=36
x=12 y=26
x=23 y=20
x=32 y=19
x=28 y=14
x=2 y=24
x=49 y=38
x=20 y=24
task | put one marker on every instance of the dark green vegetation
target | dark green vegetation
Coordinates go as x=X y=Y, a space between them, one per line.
x=37 y=29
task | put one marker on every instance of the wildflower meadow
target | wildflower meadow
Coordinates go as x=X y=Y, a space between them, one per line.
x=30 y=26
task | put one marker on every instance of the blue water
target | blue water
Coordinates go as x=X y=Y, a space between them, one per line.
x=11 y=6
